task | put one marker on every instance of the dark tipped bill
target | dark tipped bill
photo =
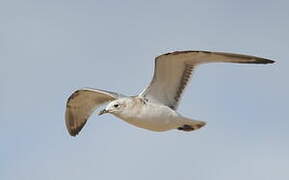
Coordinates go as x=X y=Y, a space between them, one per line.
x=102 y=112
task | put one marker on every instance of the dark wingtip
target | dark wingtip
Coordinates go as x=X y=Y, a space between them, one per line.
x=73 y=133
x=259 y=61
x=266 y=61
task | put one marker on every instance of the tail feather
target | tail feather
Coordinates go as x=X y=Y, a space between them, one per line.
x=191 y=125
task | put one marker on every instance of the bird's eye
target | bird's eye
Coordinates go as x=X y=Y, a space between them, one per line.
x=116 y=105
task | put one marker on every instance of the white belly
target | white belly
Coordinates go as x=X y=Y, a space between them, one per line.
x=152 y=116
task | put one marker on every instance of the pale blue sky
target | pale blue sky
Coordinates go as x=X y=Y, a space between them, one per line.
x=48 y=49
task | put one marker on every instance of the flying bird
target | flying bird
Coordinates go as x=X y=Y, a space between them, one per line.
x=155 y=108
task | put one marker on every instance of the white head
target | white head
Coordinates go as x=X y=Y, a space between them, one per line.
x=116 y=107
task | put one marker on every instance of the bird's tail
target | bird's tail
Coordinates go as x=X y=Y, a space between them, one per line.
x=190 y=124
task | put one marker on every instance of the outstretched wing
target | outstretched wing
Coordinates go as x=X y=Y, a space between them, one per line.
x=81 y=104
x=173 y=71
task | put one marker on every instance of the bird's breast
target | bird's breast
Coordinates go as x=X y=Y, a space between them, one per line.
x=150 y=116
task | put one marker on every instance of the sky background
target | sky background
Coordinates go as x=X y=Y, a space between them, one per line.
x=48 y=49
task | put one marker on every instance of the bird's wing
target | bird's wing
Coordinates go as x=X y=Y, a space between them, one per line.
x=173 y=71
x=81 y=104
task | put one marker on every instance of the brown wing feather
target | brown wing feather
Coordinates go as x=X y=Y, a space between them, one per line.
x=81 y=104
x=173 y=71
x=186 y=76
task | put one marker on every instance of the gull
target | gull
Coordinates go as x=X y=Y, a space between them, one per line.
x=155 y=108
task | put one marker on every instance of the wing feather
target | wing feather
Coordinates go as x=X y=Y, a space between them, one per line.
x=173 y=72
x=81 y=104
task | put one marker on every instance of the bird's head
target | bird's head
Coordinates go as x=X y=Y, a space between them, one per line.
x=115 y=107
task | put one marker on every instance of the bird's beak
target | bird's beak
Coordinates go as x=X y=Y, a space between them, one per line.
x=102 y=112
